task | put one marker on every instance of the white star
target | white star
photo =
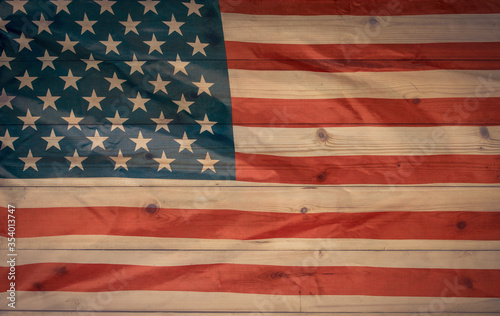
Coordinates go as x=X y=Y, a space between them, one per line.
x=86 y=24
x=70 y=80
x=161 y=122
x=203 y=86
x=193 y=7
x=49 y=100
x=53 y=140
x=154 y=45
x=23 y=42
x=198 y=47
x=43 y=25
x=76 y=160
x=97 y=140
x=159 y=84
x=117 y=122
x=185 y=143
x=179 y=65
x=149 y=5
x=17 y=5
x=208 y=163
x=7 y=140
x=28 y=120
x=120 y=161
x=130 y=25
x=139 y=102
x=5 y=100
x=115 y=82
x=62 y=5
x=94 y=101
x=164 y=162
x=47 y=60
x=5 y=61
x=92 y=63
x=206 y=125
x=135 y=65
x=111 y=45
x=183 y=104
x=73 y=121
x=174 y=26
x=106 y=5
x=67 y=44
x=30 y=161
x=141 y=142
x=26 y=80
x=3 y=24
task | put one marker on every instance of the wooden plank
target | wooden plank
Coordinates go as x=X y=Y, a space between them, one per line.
x=255 y=197
x=234 y=302
x=132 y=313
x=343 y=29
x=388 y=259
x=385 y=141
x=98 y=242
x=386 y=85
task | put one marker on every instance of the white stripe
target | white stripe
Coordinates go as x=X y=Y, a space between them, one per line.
x=384 y=259
x=156 y=243
x=388 y=85
x=262 y=198
x=149 y=183
x=38 y=313
x=208 y=301
x=341 y=29
x=349 y=141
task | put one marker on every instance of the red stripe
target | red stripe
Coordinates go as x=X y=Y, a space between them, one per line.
x=245 y=225
x=369 y=112
x=373 y=57
x=257 y=279
x=349 y=7
x=368 y=169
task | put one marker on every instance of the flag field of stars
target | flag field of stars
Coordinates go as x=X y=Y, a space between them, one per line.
x=114 y=89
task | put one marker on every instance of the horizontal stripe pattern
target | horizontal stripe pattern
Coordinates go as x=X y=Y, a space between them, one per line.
x=385 y=85
x=98 y=242
x=203 y=301
x=383 y=141
x=228 y=195
x=346 y=7
x=256 y=279
x=307 y=30
x=238 y=225
x=268 y=112
x=309 y=259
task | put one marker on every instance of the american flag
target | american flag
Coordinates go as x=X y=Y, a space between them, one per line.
x=263 y=157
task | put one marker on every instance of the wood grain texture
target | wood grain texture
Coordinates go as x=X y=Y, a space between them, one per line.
x=360 y=29
x=388 y=259
x=95 y=242
x=202 y=301
x=387 y=85
x=260 y=198
x=349 y=141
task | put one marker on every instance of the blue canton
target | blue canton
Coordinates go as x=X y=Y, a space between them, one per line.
x=124 y=88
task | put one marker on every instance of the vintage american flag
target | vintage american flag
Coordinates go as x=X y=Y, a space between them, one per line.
x=248 y=156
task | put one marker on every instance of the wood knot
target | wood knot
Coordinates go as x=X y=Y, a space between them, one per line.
x=461 y=225
x=152 y=209
x=467 y=282
x=304 y=210
x=416 y=101
x=373 y=21
x=148 y=156
x=322 y=135
x=485 y=133
x=321 y=177
x=61 y=270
